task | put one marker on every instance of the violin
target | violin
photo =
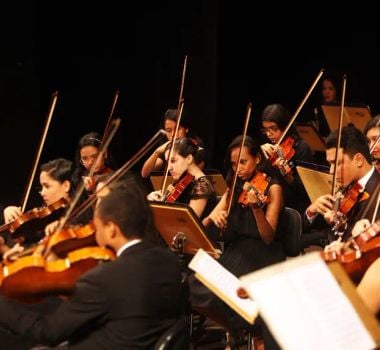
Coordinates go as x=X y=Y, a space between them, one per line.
x=345 y=201
x=35 y=219
x=91 y=181
x=53 y=277
x=179 y=187
x=259 y=184
x=360 y=252
x=71 y=238
x=280 y=159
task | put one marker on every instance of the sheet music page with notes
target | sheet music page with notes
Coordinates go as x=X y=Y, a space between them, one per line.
x=304 y=306
x=223 y=283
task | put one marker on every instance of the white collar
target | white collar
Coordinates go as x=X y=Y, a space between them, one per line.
x=127 y=245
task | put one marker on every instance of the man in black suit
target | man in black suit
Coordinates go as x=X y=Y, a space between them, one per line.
x=124 y=304
x=354 y=170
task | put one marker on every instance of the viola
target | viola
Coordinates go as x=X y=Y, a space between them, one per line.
x=259 y=184
x=285 y=151
x=179 y=187
x=35 y=219
x=53 y=277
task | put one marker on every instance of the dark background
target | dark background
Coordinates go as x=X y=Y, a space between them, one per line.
x=237 y=52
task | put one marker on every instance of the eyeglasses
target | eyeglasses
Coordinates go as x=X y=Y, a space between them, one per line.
x=271 y=130
x=86 y=160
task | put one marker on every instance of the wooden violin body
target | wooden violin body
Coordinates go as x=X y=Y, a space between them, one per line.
x=284 y=154
x=35 y=219
x=31 y=278
x=362 y=251
x=179 y=187
x=71 y=238
x=258 y=184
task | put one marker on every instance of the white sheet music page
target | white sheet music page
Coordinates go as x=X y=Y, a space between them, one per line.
x=223 y=283
x=303 y=305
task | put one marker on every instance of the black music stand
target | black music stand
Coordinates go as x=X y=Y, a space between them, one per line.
x=181 y=229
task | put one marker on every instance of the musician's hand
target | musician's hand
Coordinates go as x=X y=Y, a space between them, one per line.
x=11 y=213
x=155 y=196
x=51 y=228
x=268 y=149
x=11 y=254
x=219 y=218
x=360 y=226
x=162 y=148
x=335 y=247
x=89 y=183
x=322 y=205
x=253 y=198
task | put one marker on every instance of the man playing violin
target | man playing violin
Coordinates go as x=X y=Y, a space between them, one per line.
x=354 y=171
x=124 y=304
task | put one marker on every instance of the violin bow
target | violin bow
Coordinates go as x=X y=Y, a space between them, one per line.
x=339 y=134
x=49 y=116
x=293 y=118
x=115 y=99
x=178 y=121
x=234 y=180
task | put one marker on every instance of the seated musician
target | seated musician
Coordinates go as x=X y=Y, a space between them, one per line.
x=372 y=133
x=275 y=119
x=124 y=304
x=86 y=156
x=55 y=181
x=191 y=185
x=157 y=160
x=354 y=171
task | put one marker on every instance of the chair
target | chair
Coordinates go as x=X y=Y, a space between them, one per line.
x=176 y=337
x=291 y=226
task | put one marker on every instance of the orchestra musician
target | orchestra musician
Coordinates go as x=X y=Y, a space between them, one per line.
x=191 y=186
x=157 y=160
x=56 y=184
x=123 y=304
x=275 y=118
x=86 y=155
x=372 y=133
x=249 y=231
x=354 y=169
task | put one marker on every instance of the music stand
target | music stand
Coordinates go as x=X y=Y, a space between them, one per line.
x=311 y=137
x=181 y=229
x=359 y=116
x=316 y=183
x=217 y=180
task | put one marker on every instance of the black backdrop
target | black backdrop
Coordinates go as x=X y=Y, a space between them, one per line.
x=237 y=52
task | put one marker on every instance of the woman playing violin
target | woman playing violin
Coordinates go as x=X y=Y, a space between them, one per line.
x=191 y=186
x=56 y=184
x=86 y=155
x=55 y=181
x=157 y=160
x=354 y=170
x=249 y=230
x=284 y=157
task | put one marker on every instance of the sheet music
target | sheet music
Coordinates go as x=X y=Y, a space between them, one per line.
x=223 y=283
x=305 y=308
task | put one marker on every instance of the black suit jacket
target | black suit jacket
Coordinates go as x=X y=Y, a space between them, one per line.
x=123 y=304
